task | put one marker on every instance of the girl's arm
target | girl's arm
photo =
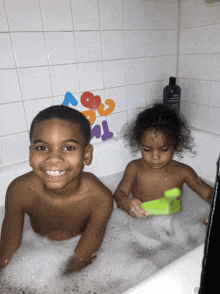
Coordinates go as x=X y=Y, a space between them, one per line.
x=130 y=205
x=197 y=185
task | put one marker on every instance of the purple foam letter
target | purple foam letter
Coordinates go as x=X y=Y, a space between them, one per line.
x=107 y=134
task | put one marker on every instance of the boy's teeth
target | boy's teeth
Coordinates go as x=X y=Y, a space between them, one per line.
x=54 y=172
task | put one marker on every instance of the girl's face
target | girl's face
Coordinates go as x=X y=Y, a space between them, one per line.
x=156 y=150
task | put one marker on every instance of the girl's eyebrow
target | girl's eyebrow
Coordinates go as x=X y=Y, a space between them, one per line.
x=167 y=145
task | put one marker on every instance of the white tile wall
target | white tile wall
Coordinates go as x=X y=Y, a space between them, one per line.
x=111 y=14
x=9 y=85
x=56 y=15
x=61 y=47
x=15 y=148
x=199 y=63
x=6 y=51
x=3 y=20
x=64 y=79
x=88 y=46
x=114 y=73
x=35 y=82
x=113 y=45
x=135 y=71
x=29 y=49
x=85 y=15
x=135 y=45
x=23 y=15
x=124 y=50
x=12 y=119
x=90 y=76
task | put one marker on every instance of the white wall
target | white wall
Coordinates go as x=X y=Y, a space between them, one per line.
x=119 y=49
x=199 y=64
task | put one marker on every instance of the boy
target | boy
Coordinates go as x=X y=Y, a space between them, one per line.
x=61 y=200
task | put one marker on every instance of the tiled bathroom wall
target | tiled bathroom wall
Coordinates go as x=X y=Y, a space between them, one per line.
x=199 y=64
x=124 y=50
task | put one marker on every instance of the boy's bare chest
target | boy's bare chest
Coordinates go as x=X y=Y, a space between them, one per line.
x=68 y=215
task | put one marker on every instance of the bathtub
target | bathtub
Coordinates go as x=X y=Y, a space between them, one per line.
x=111 y=157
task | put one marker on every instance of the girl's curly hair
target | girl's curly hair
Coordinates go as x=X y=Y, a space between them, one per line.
x=158 y=117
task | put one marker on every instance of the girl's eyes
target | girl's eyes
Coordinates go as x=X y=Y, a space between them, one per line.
x=163 y=150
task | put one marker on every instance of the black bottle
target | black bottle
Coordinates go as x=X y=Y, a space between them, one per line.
x=171 y=95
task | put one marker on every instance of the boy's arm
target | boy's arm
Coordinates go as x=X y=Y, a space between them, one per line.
x=130 y=205
x=92 y=237
x=198 y=185
x=12 y=226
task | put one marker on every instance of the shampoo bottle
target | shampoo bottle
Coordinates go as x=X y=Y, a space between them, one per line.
x=171 y=95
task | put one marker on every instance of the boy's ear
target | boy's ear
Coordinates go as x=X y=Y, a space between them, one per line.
x=88 y=155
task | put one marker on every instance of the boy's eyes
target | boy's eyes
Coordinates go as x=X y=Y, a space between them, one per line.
x=69 y=148
x=66 y=148
x=41 y=148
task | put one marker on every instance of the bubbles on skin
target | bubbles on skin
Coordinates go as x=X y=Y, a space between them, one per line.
x=132 y=250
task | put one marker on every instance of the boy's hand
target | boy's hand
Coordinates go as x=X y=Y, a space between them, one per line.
x=134 y=208
x=76 y=264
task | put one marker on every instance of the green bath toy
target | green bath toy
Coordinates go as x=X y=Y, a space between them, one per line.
x=168 y=204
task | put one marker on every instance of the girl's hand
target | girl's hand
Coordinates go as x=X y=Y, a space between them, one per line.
x=134 y=209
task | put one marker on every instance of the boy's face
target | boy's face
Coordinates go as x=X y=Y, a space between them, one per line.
x=156 y=151
x=58 y=153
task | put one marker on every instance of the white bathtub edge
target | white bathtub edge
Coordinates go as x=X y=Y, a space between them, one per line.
x=182 y=276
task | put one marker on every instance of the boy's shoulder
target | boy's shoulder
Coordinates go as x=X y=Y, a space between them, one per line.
x=23 y=183
x=20 y=188
x=94 y=185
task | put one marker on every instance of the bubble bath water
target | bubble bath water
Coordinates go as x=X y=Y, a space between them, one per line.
x=132 y=250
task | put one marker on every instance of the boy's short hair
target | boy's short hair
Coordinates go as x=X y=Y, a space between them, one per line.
x=66 y=113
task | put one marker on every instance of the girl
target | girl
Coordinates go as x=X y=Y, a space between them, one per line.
x=158 y=133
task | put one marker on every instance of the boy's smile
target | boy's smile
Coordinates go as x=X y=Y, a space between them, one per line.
x=58 y=153
x=156 y=151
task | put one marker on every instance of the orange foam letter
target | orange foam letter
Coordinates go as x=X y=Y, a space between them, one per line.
x=107 y=111
x=90 y=115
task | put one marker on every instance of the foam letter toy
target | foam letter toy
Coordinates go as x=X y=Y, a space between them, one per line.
x=90 y=101
x=69 y=98
x=107 y=134
x=168 y=204
x=96 y=132
x=90 y=115
x=107 y=111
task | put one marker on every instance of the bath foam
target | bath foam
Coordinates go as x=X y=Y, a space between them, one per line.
x=132 y=250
